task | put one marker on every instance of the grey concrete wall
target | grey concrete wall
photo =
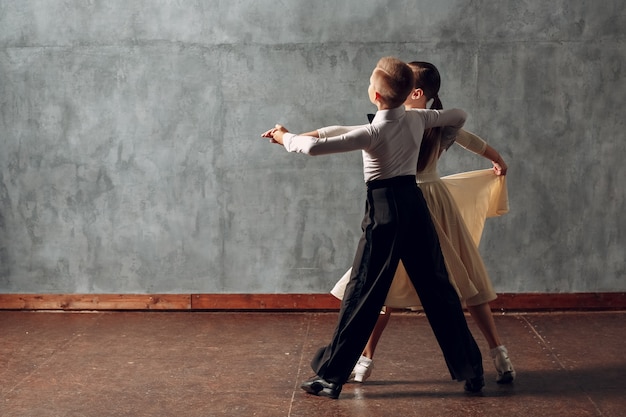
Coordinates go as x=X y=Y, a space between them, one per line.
x=130 y=156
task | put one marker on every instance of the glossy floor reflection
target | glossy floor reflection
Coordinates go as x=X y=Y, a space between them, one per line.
x=251 y=364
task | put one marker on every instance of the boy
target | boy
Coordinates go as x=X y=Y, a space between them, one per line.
x=395 y=214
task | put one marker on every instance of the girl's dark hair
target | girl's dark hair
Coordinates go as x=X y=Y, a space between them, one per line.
x=427 y=78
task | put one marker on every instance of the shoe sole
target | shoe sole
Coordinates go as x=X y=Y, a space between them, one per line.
x=318 y=389
x=474 y=388
x=361 y=377
x=506 y=378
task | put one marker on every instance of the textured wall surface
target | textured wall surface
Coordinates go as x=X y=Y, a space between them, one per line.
x=131 y=159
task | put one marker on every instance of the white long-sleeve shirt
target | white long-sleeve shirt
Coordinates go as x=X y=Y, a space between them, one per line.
x=390 y=144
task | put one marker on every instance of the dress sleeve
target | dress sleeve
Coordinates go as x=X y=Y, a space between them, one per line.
x=471 y=142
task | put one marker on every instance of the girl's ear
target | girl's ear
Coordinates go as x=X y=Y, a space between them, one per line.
x=417 y=93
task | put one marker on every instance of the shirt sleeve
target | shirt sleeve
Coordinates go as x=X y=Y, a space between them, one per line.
x=354 y=138
x=453 y=118
x=471 y=142
x=329 y=131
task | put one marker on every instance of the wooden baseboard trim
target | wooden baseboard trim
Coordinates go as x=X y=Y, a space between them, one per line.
x=264 y=302
x=284 y=302
x=95 y=302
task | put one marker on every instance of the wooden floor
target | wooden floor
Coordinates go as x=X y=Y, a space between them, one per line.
x=251 y=364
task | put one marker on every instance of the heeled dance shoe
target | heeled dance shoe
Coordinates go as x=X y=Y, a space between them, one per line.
x=362 y=370
x=504 y=367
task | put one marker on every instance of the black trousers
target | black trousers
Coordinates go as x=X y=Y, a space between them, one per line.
x=397 y=225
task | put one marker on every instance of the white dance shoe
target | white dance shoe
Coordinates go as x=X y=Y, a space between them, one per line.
x=506 y=373
x=362 y=370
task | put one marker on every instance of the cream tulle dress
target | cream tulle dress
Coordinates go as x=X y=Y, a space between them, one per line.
x=459 y=205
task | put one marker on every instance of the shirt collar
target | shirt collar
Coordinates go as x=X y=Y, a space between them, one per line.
x=389 y=114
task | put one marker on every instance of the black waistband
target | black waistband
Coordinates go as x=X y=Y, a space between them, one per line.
x=391 y=182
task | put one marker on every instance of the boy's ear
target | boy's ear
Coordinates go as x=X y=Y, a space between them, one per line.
x=379 y=98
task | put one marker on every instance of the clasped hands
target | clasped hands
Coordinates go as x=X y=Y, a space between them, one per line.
x=276 y=134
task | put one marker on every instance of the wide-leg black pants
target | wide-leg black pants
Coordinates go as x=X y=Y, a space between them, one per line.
x=397 y=225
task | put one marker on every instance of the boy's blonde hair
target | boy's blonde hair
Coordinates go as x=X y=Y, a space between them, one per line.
x=393 y=80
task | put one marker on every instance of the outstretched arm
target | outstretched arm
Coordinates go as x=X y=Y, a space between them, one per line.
x=276 y=134
x=344 y=139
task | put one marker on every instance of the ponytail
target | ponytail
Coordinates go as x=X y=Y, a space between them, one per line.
x=431 y=137
x=436 y=103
